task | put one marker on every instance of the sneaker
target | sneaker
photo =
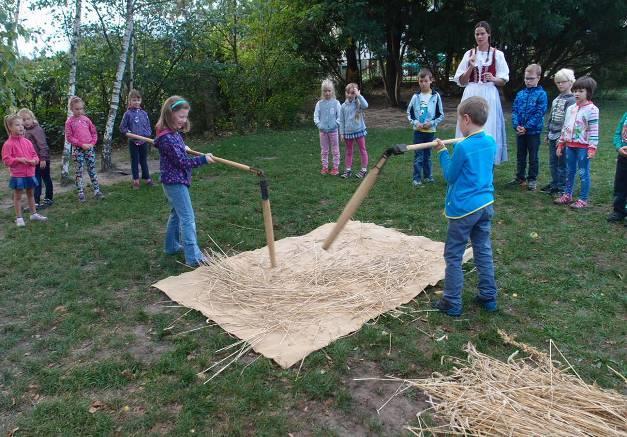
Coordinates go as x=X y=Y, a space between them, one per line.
x=564 y=199
x=515 y=182
x=136 y=185
x=430 y=180
x=416 y=184
x=98 y=195
x=38 y=218
x=532 y=185
x=324 y=171
x=20 y=222
x=347 y=174
x=547 y=189
x=334 y=172
x=149 y=182
x=579 y=204
x=40 y=206
x=488 y=304
x=362 y=174
x=48 y=202
x=81 y=197
x=447 y=308
x=615 y=217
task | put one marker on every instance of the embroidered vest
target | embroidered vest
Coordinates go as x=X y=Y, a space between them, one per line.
x=476 y=74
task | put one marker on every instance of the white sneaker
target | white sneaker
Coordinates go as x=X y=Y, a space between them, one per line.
x=20 y=222
x=38 y=217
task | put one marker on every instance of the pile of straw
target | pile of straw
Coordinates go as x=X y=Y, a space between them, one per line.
x=534 y=396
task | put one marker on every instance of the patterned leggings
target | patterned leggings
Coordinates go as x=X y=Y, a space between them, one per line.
x=81 y=156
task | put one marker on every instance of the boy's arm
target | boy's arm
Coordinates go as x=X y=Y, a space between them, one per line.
x=618 y=134
x=451 y=166
x=536 y=118
x=440 y=118
x=411 y=115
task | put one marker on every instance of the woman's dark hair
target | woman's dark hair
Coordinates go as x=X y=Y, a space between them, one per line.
x=487 y=28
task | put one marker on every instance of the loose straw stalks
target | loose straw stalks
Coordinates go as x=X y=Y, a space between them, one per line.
x=520 y=397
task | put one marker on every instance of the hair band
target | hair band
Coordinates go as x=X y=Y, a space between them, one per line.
x=178 y=102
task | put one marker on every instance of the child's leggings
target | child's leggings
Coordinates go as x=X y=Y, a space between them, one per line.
x=577 y=162
x=81 y=156
x=329 y=139
x=363 y=154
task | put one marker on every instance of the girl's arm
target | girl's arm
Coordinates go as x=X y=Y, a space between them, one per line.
x=342 y=121
x=33 y=157
x=93 y=132
x=338 y=109
x=124 y=124
x=593 y=128
x=175 y=151
x=362 y=101
x=317 y=115
x=8 y=155
x=44 y=150
x=69 y=134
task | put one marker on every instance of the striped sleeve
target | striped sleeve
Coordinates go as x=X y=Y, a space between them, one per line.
x=593 y=126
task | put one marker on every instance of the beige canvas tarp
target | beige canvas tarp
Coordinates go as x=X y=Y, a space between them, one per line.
x=313 y=296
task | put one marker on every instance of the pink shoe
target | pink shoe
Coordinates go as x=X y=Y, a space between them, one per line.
x=564 y=199
x=334 y=172
x=324 y=171
x=579 y=204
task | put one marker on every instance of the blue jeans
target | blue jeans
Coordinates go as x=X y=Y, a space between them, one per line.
x=527 y=145
x=476 y=227
x=181 y=229
x=139 y=157
x=557 y=165
x=577 y=162
x=43 y=174
x=422 y=158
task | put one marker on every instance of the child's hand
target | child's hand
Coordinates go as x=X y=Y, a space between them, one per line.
x=623 y=151
x=426 y=125
x=342 y=138
x=357 y=92
x=591 y=152
x=558 y=151
x=22 y=160
x=440 y=145
x=520 y=130
x=488 y=77
x=209 y=158
x=473 y=60
x=86 y=146
x=42 y=164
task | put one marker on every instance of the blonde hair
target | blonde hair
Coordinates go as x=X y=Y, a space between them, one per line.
x=9 y=120
x=564 y=75
x=535 y=68
x=476 y=108
x=358 y=109
x=327 y=84
x=170 y=106
x=74 y=100
x=25 y=111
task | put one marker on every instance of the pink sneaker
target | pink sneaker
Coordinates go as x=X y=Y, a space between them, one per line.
x=579 y=204
x=324 y=171
x=334 y=172
x=564 y=199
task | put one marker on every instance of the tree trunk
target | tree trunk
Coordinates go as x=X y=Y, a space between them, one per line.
x=76 y=35
x=131 y=63
x=392 y=70
x=16 y=22
x=106 y=163
x=352 y=70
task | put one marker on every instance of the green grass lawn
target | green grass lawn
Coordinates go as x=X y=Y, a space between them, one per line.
x=81 y=328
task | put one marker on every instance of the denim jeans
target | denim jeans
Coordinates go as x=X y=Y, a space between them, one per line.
x=181 y=229
x=422 y=158
x=577 y=162
x=43 y=174
x=620 y=185
x=476 y=227
x=557 y=165
x=527 y=145
x=139 y=157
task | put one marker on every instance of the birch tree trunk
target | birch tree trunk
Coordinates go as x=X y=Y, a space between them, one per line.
x=16 y=20
x=106 y=163
x=131 y=63
x=76 y=35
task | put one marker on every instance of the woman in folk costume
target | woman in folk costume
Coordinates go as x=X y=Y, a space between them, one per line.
x=481 y=70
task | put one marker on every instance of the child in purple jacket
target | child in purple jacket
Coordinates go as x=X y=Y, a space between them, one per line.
x=176 y=177
x=135 y=121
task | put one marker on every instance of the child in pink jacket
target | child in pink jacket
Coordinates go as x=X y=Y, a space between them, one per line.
x=81 y=133
x=19 y=155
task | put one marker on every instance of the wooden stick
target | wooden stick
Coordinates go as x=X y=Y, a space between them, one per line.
x=367 y=184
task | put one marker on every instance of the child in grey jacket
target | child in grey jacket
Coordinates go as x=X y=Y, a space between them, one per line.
x=353 y=129
x=327 y=119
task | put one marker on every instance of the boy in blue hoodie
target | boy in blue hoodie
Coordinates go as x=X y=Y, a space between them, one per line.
x=528 y=120
x=468 y=207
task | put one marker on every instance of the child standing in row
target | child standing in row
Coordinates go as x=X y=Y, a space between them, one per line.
x=564 y=80
x=468 y=207
x=135 y=121
x=176 y=177
x=81 y=133
x=327 y=119
x=424 y=112
x=353 y=129
x=528 y=120
x=578 y=141
x=36 y=135
x=19 y=155
x=620 y=178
